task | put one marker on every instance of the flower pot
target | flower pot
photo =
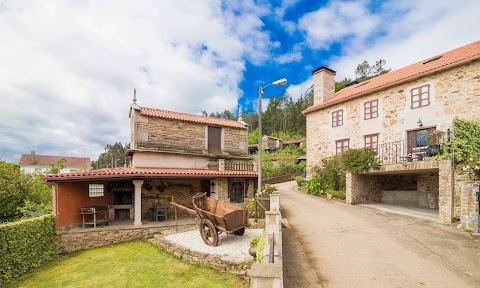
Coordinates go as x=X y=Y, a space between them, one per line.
x=253 y=251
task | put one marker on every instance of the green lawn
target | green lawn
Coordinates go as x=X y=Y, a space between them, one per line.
x=133 y=264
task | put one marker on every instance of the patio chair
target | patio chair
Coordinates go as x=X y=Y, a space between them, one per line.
x=159 y=212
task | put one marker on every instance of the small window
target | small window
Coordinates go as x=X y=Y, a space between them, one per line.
x=371 y=109
x=372 y=142
x=214 y=139
x=337 y=118
x=420 y=96
x=342 y=145
x=95 y=190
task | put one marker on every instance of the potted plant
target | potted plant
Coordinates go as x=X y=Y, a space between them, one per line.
x=434 y=141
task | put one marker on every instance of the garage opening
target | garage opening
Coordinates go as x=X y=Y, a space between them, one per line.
x=408 y=193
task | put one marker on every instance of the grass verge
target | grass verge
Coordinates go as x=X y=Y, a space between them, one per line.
x=132 y=264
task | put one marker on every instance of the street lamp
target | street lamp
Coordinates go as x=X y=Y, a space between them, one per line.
x=282 y=81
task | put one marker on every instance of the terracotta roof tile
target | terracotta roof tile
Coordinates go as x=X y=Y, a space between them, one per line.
x=423 y=68
x=44 y=160
x=190 y=117
x=134 y=172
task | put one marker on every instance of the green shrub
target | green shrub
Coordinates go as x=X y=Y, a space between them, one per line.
x=269 y=189
x=466 y=143
x=315 y=186
x=360 y=159
x=337 y=194
x=25 y=245
x=254 y=241
x=261 y=248
x=300 y=181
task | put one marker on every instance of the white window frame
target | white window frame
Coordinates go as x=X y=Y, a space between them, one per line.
x=96 y=190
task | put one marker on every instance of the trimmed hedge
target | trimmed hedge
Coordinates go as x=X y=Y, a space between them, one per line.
x=25 y=245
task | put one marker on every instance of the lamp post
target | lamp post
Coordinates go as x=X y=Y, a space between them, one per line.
x=282 y=81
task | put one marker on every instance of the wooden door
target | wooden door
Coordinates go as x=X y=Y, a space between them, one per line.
x=237 y=192
x=205 y=186
x=214 y=139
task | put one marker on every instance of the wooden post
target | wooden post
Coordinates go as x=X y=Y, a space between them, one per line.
x=176 y=220
x=255 y=210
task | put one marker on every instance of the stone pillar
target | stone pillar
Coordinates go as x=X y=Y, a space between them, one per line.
x=445 y=191
x=266 y=275
x=469 y=206
x=222 y=186
x=137 y=220
x=275 y=201
x=273 y=228
x=221 y=164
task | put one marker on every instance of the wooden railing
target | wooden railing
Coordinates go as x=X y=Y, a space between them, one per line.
x=239 y=166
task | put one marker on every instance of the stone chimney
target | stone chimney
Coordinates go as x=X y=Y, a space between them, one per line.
x=32 y=157
x=323 y=84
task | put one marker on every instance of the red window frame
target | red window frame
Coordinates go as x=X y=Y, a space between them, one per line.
x=342 y=145
x=370 y=109
x=371 y=141
x=420 y=96
x=337 y=118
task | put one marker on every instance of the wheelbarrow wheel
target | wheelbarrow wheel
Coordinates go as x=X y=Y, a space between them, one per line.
x=239 y=232
x=208 y=232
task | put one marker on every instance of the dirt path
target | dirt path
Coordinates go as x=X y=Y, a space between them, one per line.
x=332 y=244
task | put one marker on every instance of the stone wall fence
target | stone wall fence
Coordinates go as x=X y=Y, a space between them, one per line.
x=469 y=206
x=270 y=273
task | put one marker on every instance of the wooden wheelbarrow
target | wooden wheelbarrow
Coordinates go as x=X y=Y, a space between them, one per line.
x=216 y=217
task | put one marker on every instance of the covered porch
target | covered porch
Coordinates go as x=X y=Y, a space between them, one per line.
x=137 y=197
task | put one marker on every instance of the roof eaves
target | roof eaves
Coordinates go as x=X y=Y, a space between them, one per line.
x=53 y=178
x=391 y=84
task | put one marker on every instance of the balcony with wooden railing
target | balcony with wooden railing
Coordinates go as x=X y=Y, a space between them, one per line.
x=233 y=165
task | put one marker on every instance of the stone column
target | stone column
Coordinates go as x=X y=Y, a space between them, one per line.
x=275 y=201
x=137 y=220
x=221 y=164
x=446 y=191
x=469 y=208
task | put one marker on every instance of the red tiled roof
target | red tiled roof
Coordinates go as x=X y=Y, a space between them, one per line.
x=190 y=117
x=44 y=160
x=420 y=69
x=134 y=172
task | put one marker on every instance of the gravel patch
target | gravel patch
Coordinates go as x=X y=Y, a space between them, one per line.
x=231 y=246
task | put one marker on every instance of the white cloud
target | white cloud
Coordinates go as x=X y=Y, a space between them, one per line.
x=293 y=56
x=338 y=21
x=69 y=68
x=415 y=30
x=297 y=90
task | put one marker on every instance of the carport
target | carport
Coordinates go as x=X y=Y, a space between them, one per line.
x=425 y=187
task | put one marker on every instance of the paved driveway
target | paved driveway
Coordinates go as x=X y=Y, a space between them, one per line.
x=333 y=244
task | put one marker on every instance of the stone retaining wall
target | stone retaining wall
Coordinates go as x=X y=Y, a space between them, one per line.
x=75 y=240
x=219 y=262
x=469 y=206
x=266 y=274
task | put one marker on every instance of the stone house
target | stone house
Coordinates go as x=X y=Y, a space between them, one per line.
x=174 y=155
x=35 y=163
x=396 y=114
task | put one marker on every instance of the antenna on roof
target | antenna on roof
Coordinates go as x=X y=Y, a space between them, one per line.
x=134 y=95
x=240 y=114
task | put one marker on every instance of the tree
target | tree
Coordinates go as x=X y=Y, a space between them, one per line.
x=22 y=191
x=114 y=156
x=364 y=71
x=341 y=84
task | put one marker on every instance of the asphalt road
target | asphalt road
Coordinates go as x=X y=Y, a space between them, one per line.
x=332 y=244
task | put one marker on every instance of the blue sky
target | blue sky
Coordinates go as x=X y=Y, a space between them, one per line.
x=68 y=68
